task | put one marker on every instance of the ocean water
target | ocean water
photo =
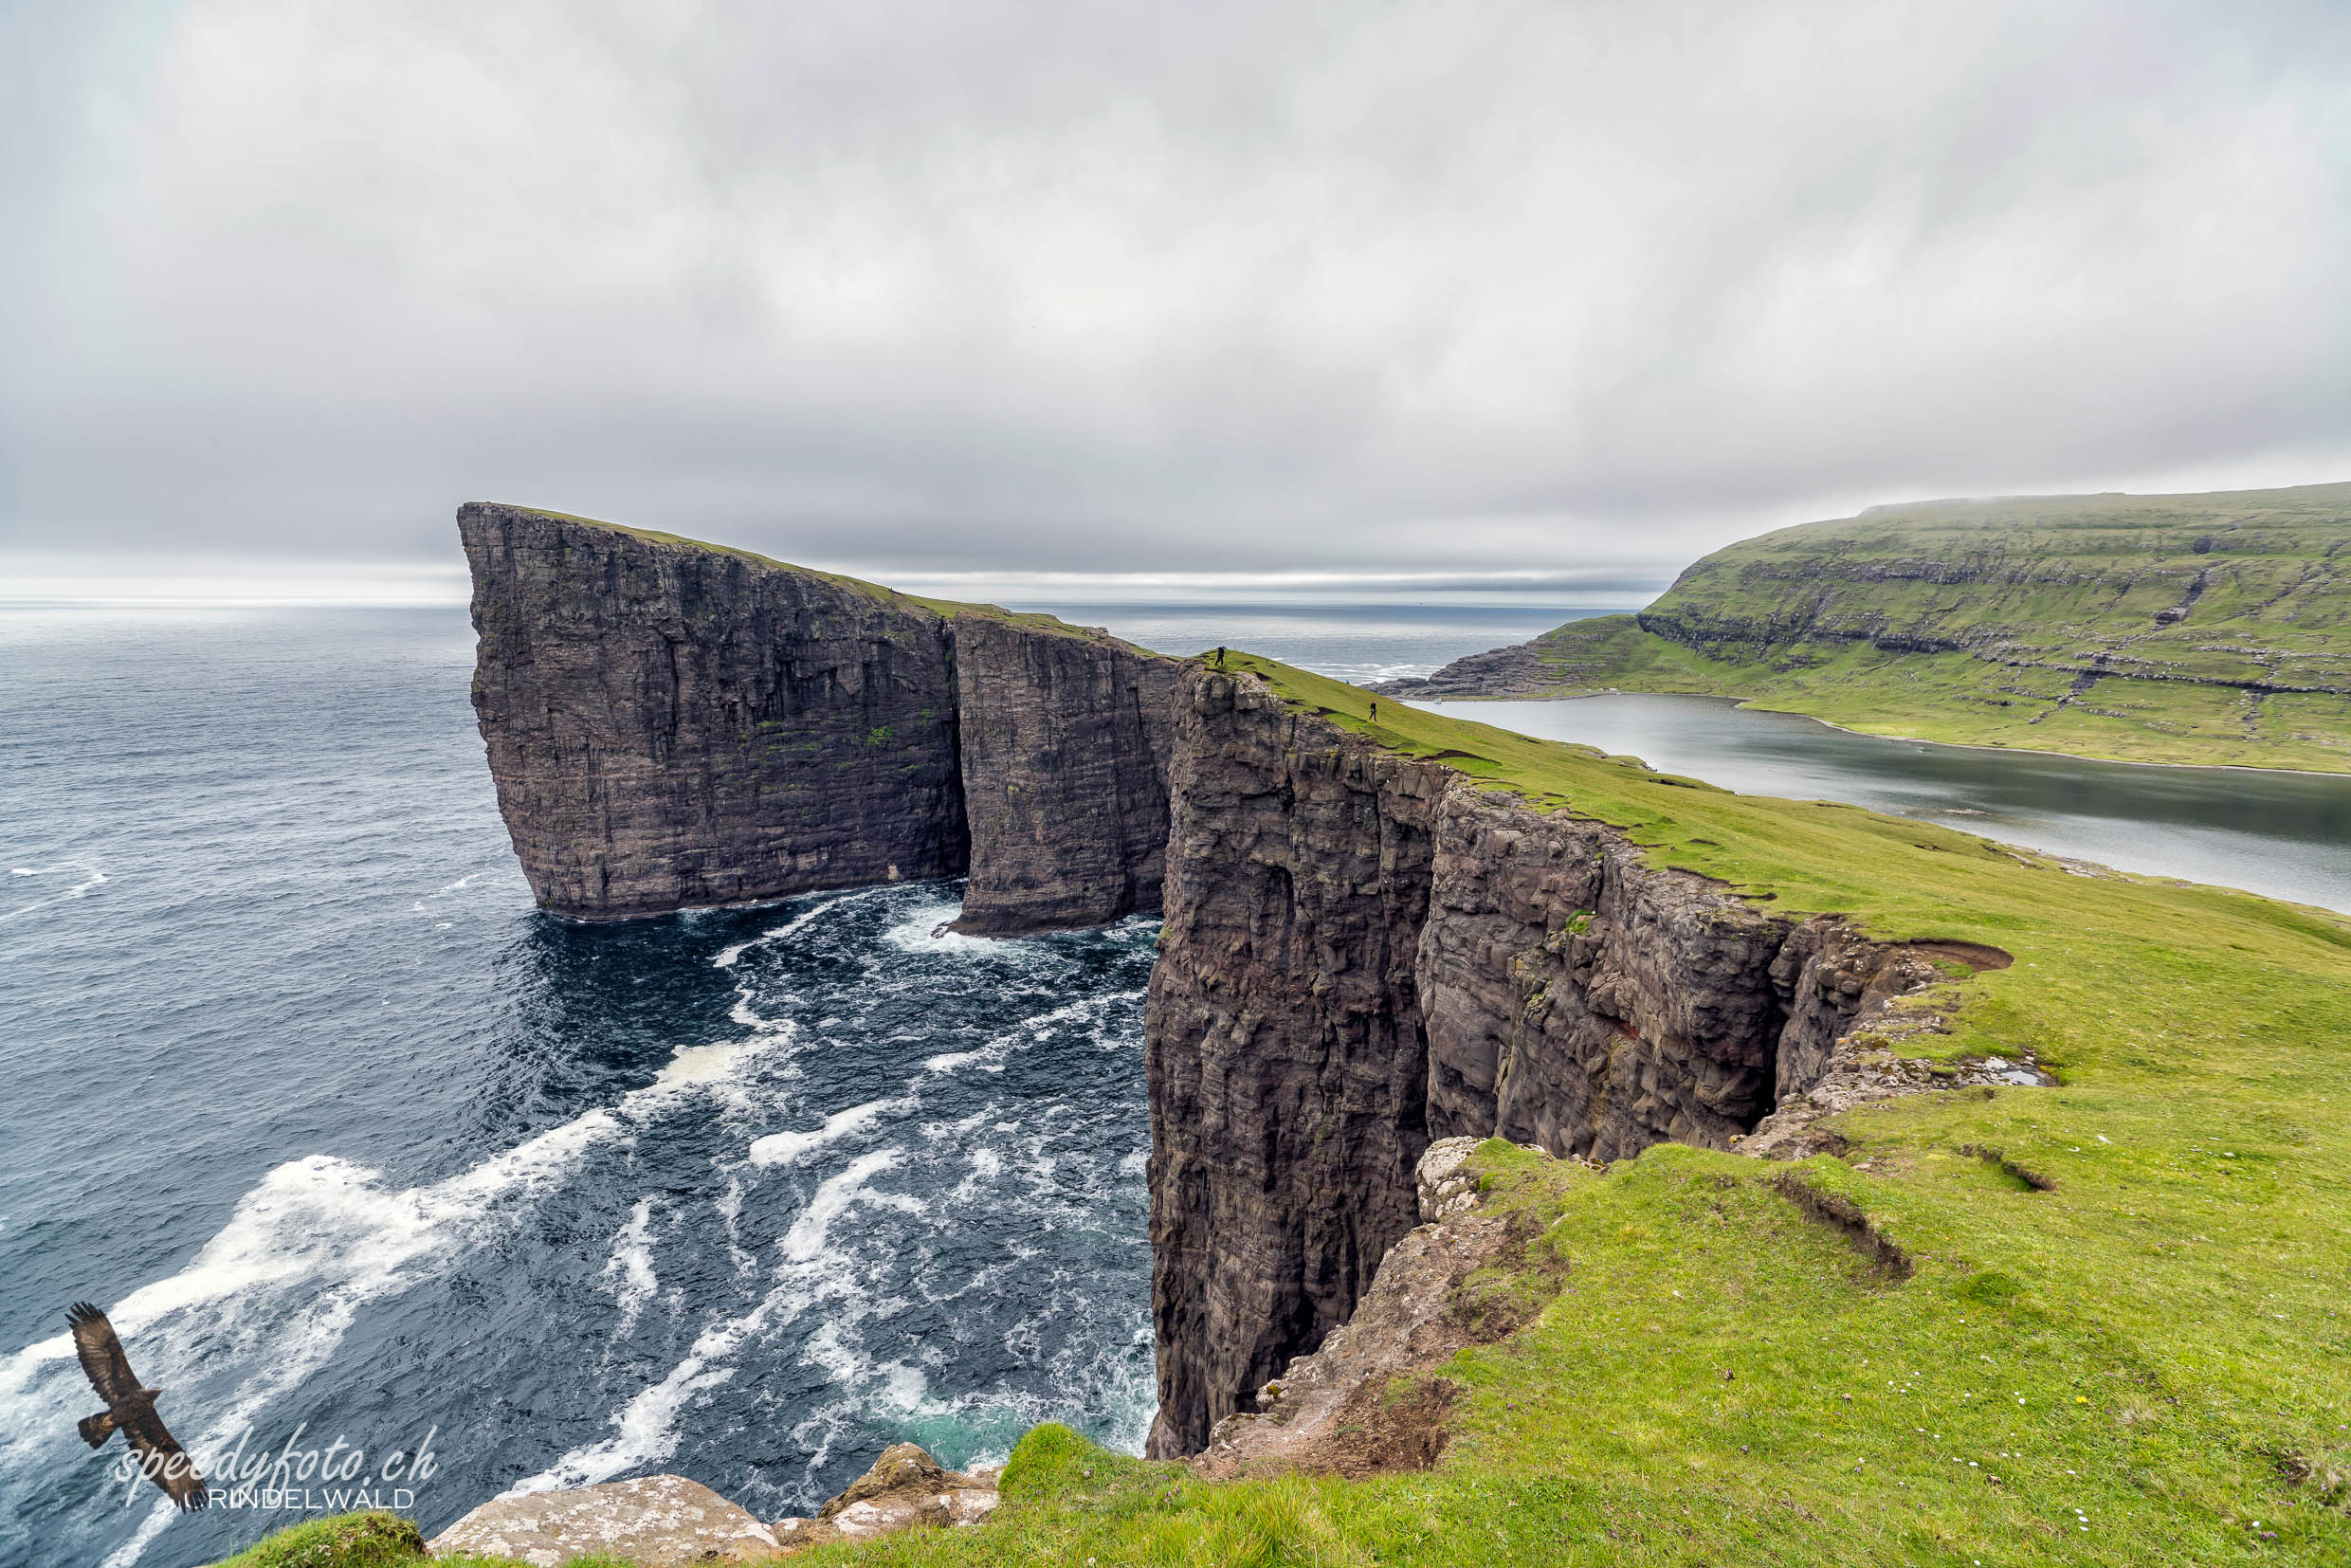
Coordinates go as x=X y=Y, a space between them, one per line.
x=349 y=1138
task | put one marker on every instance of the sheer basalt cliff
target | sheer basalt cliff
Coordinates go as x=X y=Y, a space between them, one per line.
x=1366 y=947
x=1064 y=763
x=1365 y=951
x=1283 y=1036
x=671 y=724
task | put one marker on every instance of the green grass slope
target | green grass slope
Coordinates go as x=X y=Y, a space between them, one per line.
x=2205 y=628
x=2145 y=1359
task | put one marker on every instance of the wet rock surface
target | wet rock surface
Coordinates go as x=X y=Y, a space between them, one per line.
x=655 y=1521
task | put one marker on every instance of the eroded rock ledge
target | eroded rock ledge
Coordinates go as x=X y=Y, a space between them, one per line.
x=672 y=725
x=669 y=1522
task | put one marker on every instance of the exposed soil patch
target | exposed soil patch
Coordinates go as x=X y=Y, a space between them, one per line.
x=1973 y=955
x=1842 y=1214
x=2023 y=1176
x=1369 y=1400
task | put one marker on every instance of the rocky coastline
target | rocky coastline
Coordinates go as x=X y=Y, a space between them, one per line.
x=1365 y=953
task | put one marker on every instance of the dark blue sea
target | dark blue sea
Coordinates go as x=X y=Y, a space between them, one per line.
x=352 y=1142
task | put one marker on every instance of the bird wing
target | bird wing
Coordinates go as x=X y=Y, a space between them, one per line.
x=165 y=1463
x=100 y=1350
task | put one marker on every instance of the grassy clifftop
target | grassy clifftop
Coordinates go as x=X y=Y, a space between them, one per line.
x=2124 y=1339
x=2209 y=629
x=948 y=609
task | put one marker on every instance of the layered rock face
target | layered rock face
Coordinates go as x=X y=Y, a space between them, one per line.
x=1064 y=761
x=1284 y=1039
x=1583 y=1002
x=1364 y=950
x=671 y=725
x=674 y=725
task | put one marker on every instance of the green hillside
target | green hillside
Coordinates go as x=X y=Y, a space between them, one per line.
x=2209 y=629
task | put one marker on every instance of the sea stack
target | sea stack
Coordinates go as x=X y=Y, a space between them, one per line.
x=672 y=725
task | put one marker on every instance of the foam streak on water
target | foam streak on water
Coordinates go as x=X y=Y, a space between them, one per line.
x=746 y=1194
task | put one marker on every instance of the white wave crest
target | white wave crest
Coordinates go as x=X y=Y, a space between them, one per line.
x=645 y=1431
x=729 y=956
x=629 y=1269
x=785 y=1147
x=91 y=877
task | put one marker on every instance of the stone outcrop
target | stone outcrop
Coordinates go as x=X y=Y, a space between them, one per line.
x=654 y=1520
x=1339 y=1410
x=672 y=725
x=669 y=1522
x=905 y=1489
x=1364 y=950
x=1282 y=1038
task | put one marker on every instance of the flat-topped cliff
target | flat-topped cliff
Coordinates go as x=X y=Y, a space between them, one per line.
x=673 y=724
x=2211 y=628
x=1367 y=949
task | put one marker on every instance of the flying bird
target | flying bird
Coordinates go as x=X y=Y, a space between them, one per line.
x=130 y=1408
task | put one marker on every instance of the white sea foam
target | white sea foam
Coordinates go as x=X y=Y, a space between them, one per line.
x=277 y=1288
x=91 y=877
x=629 y=1269
x=729 y=956
x=644 y=1429
x=834 y=1194
x=787 y=1147
x=987 y=1169
x=275 y=1291
x=923 y=931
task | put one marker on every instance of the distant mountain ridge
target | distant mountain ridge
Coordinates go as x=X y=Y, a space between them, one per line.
x=2209 y=629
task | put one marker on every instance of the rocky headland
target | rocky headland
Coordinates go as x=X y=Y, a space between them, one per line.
x=2202 y=628
x=1364 y=950
x=672 y=725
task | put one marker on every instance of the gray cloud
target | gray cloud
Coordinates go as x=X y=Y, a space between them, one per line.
x=985 y=287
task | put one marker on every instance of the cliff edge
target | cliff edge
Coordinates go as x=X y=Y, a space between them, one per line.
x=672 y=725
x=1374 y=942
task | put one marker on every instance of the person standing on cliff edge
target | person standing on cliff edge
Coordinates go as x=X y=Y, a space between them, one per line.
x=1220 y=656
x=1375 y=710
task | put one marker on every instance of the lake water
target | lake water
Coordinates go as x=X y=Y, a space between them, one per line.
x=352 y=1140
x=1358 y=642
x=2282 y=834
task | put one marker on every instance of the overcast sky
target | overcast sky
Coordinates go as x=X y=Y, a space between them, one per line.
x=1380 y=297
